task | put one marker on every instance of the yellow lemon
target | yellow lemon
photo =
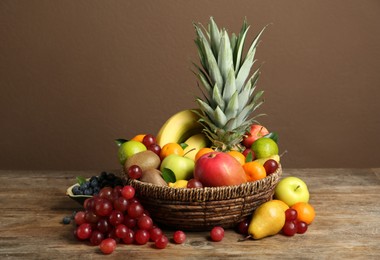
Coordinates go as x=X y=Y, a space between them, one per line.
x=178 y=184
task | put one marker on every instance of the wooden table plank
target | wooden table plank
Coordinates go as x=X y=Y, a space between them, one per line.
x=347 y=202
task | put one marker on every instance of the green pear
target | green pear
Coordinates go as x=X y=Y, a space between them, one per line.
x=268 y=219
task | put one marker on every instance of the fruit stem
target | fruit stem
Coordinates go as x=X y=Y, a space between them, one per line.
x=244 y=239
x=297 y=187
x=283 y=153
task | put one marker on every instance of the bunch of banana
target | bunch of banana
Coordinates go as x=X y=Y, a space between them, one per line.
x=183 y=127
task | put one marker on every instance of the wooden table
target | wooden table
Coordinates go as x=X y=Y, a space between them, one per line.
x=347 y=225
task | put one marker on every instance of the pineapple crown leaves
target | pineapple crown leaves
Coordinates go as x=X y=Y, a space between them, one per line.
x=227 y=87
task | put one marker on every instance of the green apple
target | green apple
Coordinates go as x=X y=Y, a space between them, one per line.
x=182 y=167
x=128 y=149
x=292 y=190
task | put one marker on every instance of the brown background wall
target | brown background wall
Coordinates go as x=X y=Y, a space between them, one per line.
x=75 y=75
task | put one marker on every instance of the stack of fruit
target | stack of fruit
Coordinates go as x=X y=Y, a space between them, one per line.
x=167 y=161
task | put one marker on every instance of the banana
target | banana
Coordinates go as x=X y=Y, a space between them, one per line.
x=179 y=127
x=194 y=144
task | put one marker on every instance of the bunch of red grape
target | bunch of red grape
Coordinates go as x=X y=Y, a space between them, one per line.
x=116 y=216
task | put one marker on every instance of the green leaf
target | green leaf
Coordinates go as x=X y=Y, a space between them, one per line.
x=225 y=59
x=273 y=136
x=183 y=145
x=249 y=157
x=232 y=106
x=168 y=175
x=214 y=36
x=81 y=180
x=120 y=141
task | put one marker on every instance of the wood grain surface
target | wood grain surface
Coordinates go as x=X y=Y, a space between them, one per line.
x=347 y=203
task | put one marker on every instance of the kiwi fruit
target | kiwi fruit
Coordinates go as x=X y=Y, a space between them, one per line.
x=145 y=160
x=153 y=176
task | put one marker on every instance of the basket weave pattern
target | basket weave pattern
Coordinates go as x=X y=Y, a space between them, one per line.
x=202 y=209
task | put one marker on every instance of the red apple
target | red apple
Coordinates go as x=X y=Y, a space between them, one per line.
x=219 y=169
x=256 y=132
x=247 y=151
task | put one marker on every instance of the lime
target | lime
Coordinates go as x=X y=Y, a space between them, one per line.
x=264 y=147
x=128 y=149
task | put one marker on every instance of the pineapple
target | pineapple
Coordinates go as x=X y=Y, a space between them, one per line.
x=228 y=85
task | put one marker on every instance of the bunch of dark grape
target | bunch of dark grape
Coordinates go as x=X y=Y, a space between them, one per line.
x=96 y=183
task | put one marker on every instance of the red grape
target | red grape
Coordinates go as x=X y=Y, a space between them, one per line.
x=129 y=221
x=129 y=237
x=242 y=227
x=121 y=204
x=155 y=233
x=117 y=191
x=155 y=148
x=301 y=227
x=135 y=210
x=96 y=237
x=128 y=192
x=103 y=225
x=79 y=217
x=107 y=246
x=106 y=193
x=194 y=183
x=270 y=166
x=290 y=214
x=217 y=234
x=141 y=236
x=161 y=242
x=91 y=217
x=145 y=222
x=121 y=231
x=116 y=217
x=134 y=172
x=84 y=231
x=103 y=207
x=290 y=228
x=179 y=237
x=148 y=140
x=89 y=204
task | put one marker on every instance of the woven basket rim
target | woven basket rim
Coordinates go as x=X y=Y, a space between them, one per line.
x=206 y=193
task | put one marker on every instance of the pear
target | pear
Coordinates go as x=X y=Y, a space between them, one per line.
x=275 y=157
x=268 y=219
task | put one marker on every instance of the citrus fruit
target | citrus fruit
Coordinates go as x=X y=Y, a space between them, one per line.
x=238 y=156
x=138 y=138
x=254 y=171
x=171 y=148
x=264 y=148
x=178 y=184
x=305 y=212
x=202 y=152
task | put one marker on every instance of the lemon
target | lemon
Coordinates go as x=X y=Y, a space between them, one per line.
x=178 y=184
x=264 y=147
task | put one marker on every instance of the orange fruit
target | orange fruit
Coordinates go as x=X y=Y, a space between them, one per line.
x=203 y=151
x=138 y=138
x=171 y=148
x=305 y=212
x=238 y=156
x=254 y=171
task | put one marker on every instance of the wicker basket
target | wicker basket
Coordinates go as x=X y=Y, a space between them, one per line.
x=202 y=209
